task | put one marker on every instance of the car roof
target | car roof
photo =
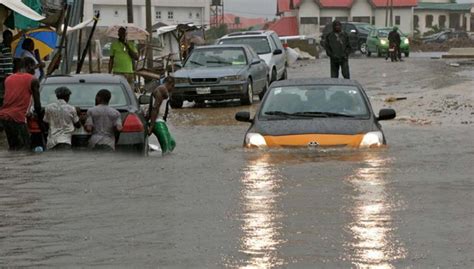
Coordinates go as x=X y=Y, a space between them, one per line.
x=85 y=78
x=315 y=81
x=248 y=33
x=222 y=46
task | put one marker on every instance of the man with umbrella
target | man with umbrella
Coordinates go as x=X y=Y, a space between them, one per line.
x=122 y=55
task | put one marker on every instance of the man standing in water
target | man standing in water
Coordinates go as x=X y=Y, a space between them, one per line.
x=62 y=119
x=123 y=54
x=338 y=49
x=19 y=88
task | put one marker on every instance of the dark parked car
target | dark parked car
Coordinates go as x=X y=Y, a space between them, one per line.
x=357 y=31
x=220 y=72
x=83 y=91
x=444 y=36
x=315 y=113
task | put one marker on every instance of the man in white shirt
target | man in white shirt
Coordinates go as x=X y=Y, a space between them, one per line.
x=28 y=47
x=62 y=119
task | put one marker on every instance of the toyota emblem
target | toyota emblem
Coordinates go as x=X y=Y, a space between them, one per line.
x=313 y=144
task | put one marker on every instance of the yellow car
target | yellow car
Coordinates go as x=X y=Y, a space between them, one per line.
x=315 y=113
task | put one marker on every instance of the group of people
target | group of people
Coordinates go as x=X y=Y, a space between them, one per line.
x=338 y=49
x=20 y=98
x=22 y=92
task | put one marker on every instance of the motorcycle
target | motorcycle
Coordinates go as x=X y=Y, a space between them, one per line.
x=392 y=52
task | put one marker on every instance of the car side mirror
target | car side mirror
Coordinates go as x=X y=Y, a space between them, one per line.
x=277 y=52
x=144 y=99
x=256 y=61
x=243 y=116
x=386 y=114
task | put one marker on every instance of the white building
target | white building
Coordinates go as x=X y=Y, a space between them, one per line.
x=443 y=14
x=169 y=12
x=313 y=15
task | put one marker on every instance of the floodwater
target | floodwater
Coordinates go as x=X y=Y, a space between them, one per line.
x=213 y=204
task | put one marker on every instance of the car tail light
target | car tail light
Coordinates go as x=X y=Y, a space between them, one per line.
x=132 y=123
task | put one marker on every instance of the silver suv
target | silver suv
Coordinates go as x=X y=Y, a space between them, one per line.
x=268 y=47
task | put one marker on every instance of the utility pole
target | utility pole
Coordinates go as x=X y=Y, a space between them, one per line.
x=130 y=11
x=149 y=51
x=391 y=12
x=386 y=13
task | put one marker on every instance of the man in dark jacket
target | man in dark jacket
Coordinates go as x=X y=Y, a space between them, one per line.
x=338 y=49
x=394 y=38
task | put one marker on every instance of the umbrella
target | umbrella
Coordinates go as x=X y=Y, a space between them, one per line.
x=133 y=32
x=45 y=40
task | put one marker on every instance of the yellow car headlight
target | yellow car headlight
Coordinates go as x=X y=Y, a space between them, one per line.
x=255 y=140
x=406 y=41
x=383 y=42
x=372 y=139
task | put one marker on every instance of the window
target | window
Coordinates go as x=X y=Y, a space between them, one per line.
x=170 y=15
x=397 y=20
x=157 y=15
x=361 y=19
x=190 y=15
x=116 y=13
x=259 y=44
x=350 y=29
x=309 y=20
x=342 y=18
x=325 y=21
x=416 y=21
x=373 y=20
x=277 y=41
x=197 y=15
x=442 y=21
x=429 y=20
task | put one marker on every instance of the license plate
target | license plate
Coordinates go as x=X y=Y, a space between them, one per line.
x=206 y=90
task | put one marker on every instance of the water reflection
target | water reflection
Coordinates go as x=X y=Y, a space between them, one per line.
x=261 y=227
x=375 y=245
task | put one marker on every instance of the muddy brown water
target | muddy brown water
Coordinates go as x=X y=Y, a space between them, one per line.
x=213 y=204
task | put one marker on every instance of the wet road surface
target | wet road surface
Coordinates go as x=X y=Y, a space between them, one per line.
x=213 y=204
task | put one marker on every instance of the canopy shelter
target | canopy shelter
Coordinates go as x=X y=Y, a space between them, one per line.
x=25 y=16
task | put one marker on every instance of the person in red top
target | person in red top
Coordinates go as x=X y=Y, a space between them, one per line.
x=19 y=88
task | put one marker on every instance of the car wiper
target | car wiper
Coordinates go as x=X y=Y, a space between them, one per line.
x=196 y=63
x=277 y=113
x=218 y=62
x=322 y=114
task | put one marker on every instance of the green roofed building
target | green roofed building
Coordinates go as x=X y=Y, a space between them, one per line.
x=443 y=14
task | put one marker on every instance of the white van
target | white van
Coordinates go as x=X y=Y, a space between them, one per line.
x=268 y=47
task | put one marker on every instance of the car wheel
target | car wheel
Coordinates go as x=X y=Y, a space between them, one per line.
x=264 y=90
x=248 y=98
x=379 y=53
x=274 y=75
x=407 y=54
x=285 y=75
x=368 y=52
x=176 y=103
x=363 y=48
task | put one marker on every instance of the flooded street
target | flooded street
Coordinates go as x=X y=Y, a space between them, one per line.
x=213 y=204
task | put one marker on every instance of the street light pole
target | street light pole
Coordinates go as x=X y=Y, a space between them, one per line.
x=149 y=51
x=130 y=11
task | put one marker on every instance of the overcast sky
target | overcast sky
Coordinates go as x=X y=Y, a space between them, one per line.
x=251 y=8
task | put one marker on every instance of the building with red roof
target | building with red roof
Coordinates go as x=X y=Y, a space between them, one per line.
x=313 y=15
